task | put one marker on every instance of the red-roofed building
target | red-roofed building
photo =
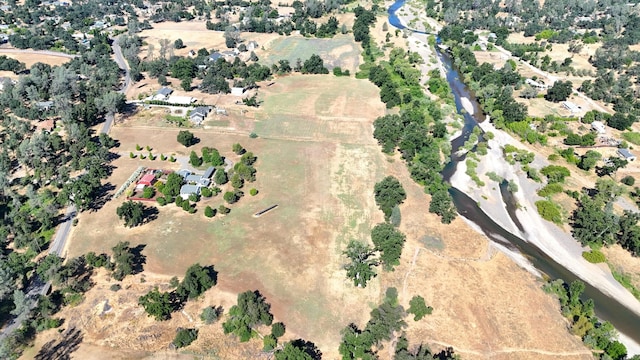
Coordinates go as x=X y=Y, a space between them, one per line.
x=147 y=180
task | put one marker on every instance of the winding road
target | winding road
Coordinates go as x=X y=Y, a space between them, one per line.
x=57 y=246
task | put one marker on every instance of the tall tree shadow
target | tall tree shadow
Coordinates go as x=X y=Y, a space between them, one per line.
x=138 y=258
x=63 y=348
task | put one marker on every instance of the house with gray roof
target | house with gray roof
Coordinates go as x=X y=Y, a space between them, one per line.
x=44 y=105
x=207 y=174
x=187 y=190
x=626 y=154
x=198 y=114
x=163 y=94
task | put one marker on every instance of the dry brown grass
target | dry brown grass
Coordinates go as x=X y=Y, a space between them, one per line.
x=30 y=59
x=319 y=162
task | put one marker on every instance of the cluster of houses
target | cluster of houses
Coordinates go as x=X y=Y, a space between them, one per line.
x=192 y=182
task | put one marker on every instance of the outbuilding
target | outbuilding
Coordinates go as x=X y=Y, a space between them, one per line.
x=147 y=180
x=626 y=154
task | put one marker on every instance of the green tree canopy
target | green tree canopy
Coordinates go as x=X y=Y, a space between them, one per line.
x=252 y=310
x=389 y=241
x=186 y=138
x=157 y=304
x=197 y=280
x=132 y=212
x=389 y=193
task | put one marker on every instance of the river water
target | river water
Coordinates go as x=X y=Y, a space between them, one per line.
x=607 y=308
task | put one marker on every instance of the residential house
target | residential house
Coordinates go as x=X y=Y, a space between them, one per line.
x=626 y=154
x=187 y=190
x=182 y=100
x=598 y=127
x=210 y=170
x=215 y=56
x=184 y=173
x=44 y=105
x=198 y=114
x=163 y=94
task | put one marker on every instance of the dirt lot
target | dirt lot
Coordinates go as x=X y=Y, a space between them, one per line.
x=318 y=161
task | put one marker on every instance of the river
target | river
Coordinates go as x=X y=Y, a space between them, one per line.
x=607 y=308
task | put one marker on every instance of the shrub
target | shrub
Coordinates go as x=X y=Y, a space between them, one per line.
x=132 y=155
x=253 y=192
x=162 y=200
x=550 y=189
x=628 y=180
x=148 y=148
x=138 y=147
x=549 y=211
x=194 y=197
x=172 y=159
x=594 y=256
x=142 y=157
x=184 y=337
x=115 y=287
x=209 y=212
x=206 y=192
x=269 y=343
x=253 y=135
x=210 y=314
x=151 y=157
x=162 y=157
x=277 y=329
x=223 y=210
x=148 y=192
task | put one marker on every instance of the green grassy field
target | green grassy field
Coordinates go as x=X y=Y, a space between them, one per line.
x=341 y=51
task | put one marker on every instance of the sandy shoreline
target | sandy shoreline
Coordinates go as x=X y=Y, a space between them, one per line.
x=557 y=244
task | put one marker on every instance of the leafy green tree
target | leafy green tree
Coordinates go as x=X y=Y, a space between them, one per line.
x=178 y=44
x=183 y=68
x=269 y=343
x=157 y=304
x=589 y=160
x=314 y=65
x=560 y=91
x=197 y=280
x=299 y=350
x=186 y=138
x=362 y=264
x=172 y=187
x=209 y=212
x=231 y=197
x=389 y=241
x=220 y=177
x=223 y=210
x=388 y=130
x=555 y=173
x=389 y=193
x=48 y=267
x=236 y=181
x=277 y=329
x=185 y=84
x=185 y=337
x=238 y=149
x=616 y=350
x=132 y=212
x=194 y=159
x=251 y=310
x=419 y=308
x=248 y=158
x=124 y=260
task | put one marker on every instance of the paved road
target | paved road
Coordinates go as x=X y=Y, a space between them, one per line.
x=37 y=287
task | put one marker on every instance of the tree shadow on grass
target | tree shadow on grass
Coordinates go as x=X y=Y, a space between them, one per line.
x=150 y=214
x=63 y=348
x=138 y=258
x=104 y=196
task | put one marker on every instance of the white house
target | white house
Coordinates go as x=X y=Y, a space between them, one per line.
x=237 y=91
x=571 y=107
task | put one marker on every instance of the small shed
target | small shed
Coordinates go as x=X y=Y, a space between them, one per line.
x=237 y=91
x=147 y=180
x=626 y=154
x=164 y=92
x=598 y=127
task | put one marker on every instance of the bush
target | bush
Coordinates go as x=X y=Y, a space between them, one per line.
x=628 y=180
x=253 y=135
x=223 y=210
x=278 y=329
x=162 y=200
x=132 y=155
x=138 y=147
x=148 y=192
x=269 y=343
x=186 y=138
x=549 y=211
x=594 y=256
x=206 y=192
x=550 y=189
x=209 y=212
x=162 y=157
x=210 y=314
x=194 y=197
x=184 y=337
x=115 y=287
x=253 y=192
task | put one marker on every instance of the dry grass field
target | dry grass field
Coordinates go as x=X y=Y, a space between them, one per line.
x=318 y=161
x=30 y=58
